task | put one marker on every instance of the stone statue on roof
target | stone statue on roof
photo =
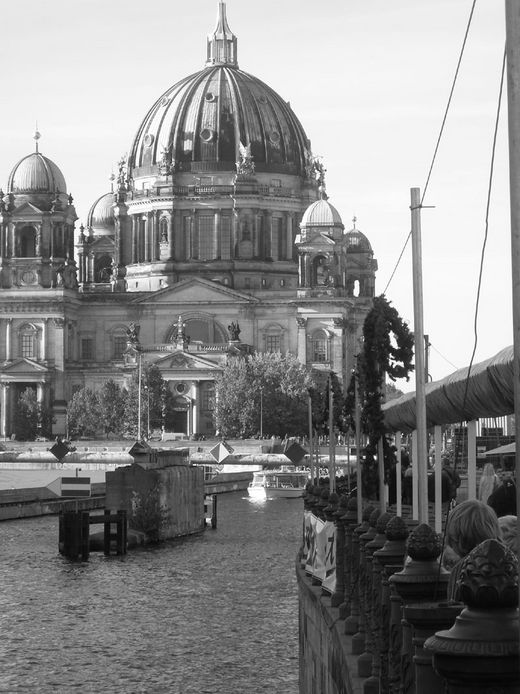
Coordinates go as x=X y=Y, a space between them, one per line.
x=234 y=331
x=245 y=163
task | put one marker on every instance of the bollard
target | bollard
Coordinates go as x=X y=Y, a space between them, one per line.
x=371 y=685
x=421 y=580
x=349 y=522
x=338 y=597
x=353 y=622
x=391 y=558
x=364 y=662
x=480 y=653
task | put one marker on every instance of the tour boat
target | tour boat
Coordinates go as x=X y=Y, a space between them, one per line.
x=276 y=484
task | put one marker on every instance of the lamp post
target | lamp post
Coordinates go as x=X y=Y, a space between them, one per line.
x=147 y=389
x=261 y=412
x=139 y=399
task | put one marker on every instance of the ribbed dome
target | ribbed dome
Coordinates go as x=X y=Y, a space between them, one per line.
x=101 y=215
x=200 y=122
x=321 y=214
x=357 y=241
x=36 y=174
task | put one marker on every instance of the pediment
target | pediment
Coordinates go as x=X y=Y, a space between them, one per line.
x=317 y=242
x=196 y=291
x=27 y=209
x=22 y=366
x=184 y=361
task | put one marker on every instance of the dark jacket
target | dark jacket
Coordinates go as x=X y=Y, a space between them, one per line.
x=503 y=499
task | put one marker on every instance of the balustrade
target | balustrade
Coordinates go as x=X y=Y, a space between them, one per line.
x=396 y=630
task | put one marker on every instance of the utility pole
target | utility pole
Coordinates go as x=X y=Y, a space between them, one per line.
x=513 y=103
x=420 y=395
x=426 y=358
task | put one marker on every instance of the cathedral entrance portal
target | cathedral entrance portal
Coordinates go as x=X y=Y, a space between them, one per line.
x=177 y=420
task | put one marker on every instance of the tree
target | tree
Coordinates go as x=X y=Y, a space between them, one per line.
x=270 y=386
x=112 y=399
x=320 y=404
x=85 y=414
x=154 y=393
x=29 y=417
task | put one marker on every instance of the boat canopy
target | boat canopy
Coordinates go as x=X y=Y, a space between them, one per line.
x=488 y=392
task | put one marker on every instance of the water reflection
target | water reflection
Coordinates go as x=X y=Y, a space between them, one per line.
x=213 y=613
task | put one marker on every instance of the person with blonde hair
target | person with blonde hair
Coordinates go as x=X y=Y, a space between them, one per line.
x=469 y=523
x=508 y=526
x=488 y=482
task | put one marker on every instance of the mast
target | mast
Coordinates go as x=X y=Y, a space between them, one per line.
x=420 y=395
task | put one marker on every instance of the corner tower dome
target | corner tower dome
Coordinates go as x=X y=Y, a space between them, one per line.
x=36 y=174
x=200 y=123
x=100 y=217
x=321 y=215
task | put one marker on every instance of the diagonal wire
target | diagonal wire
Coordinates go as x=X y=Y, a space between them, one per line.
x=483 y=251
x=441 y=131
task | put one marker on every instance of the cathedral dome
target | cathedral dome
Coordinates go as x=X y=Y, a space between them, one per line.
x=36 y=174
x=321 y=214
x=100 y=217
x=200 y=122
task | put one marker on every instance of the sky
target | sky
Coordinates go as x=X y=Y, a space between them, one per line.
x=369 y=81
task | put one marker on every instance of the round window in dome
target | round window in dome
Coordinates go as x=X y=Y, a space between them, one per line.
x=274 y=136
x=207 y=135
x=210 y=96
x=148 y=140
x=262 y=99
x=165 y=101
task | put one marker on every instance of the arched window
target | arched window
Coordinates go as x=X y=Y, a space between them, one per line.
x=320 y=347
x=28 y=341
x=102 y=268
x=26 y=242
x=320 y=274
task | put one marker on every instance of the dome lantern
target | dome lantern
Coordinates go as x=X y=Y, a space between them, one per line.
x=222 y=43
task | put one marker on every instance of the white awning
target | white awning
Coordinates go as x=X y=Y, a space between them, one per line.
x=488 y=392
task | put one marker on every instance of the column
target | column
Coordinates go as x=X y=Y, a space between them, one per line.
x=216 y=234
x=43 y=350
x=39 y=394
x=3 y=413
x=195 y=408
x=176 y=237
x=8 y=339
x=302 y=339
x=287 y=254
x=90 y=269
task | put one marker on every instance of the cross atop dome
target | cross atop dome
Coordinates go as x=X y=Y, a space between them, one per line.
x=222 y=43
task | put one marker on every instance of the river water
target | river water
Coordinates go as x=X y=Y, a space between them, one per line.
x=215 y=612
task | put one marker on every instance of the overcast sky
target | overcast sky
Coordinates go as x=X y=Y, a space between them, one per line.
x=369 y=80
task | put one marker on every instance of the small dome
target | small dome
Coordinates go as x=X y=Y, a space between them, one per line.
x=357 y=241
x=321 y=214
x=100 y=217
x=36 y=174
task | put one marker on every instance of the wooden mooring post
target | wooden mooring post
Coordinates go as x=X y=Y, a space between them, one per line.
x=74 y=532
x=210 y=510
